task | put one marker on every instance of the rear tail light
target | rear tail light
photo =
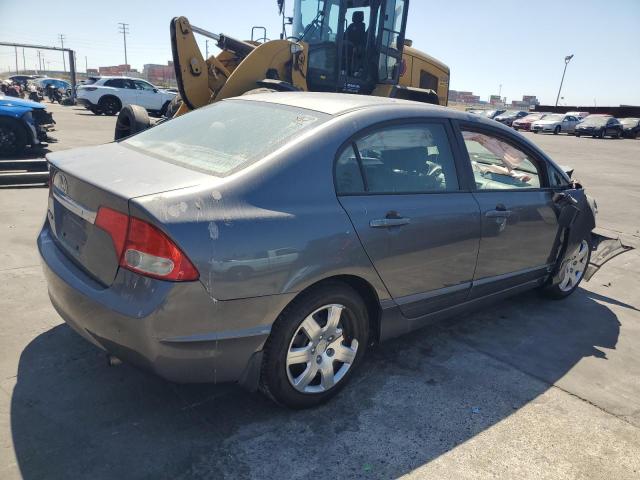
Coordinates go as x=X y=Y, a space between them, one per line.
x=145 y=249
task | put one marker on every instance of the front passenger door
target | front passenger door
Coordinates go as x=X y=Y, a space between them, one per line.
x=519 y=223
x=148 y=96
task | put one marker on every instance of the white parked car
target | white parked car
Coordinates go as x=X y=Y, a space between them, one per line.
x=555 y=123
x=109 y=94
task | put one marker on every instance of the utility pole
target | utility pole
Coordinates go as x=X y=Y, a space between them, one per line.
x=24 y=62
x=16 y=49
x=206 y=49
x=86 y=65
x=567 y=59
x=64 y=61
x=124 y=30
x=39 y=62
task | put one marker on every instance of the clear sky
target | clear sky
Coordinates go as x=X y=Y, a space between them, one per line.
x=519 y=44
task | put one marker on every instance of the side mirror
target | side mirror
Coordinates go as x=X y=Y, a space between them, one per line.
x=155 y=90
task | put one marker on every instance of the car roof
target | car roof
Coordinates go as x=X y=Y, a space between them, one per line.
x=340 y=103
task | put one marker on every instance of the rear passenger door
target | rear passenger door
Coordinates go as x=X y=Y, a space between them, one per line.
x=399 y=185
x=519 y=223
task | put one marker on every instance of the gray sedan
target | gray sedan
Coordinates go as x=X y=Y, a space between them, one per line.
x=271 y=239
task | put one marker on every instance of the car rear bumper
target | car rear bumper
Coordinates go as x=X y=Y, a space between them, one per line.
x=175 y=330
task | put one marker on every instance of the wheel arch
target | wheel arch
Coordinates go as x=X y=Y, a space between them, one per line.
x=364 y=289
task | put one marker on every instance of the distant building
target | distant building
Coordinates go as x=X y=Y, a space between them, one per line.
x=495 y=99
x=463 y=97
x=160 y=74
x=115 y=70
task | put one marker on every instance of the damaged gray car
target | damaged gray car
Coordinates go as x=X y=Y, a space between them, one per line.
x=271 y=239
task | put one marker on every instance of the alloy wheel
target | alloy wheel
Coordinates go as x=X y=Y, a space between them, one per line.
x=321 y=351
x=574 y=267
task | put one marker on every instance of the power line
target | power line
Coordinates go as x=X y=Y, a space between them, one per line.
x=64 y=61
x=124 y=30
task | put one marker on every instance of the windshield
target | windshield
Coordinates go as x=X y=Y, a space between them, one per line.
x=225 y=137
x=558 y=117
x=629 y=121
x=595 y=120
x=534 y=116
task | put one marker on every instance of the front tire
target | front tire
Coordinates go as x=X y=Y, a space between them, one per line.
x=571 y=271
x=13 y=137
x=315 y=346
x=556 y=130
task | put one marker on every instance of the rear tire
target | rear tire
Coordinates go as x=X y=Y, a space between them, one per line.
x=13 y=137
x=131 y=120
x=110 y=105
x=308 y=358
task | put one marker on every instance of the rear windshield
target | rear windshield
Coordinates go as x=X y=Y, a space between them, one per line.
x=225 y=137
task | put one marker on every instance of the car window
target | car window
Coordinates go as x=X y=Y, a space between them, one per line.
x=140 y=85
x=413 y=158
x=226 y=136
x=497 y=164
x=556 y=179
x=348 y=175
x=114 y=82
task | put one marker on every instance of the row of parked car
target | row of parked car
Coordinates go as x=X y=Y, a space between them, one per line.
x=577 y=123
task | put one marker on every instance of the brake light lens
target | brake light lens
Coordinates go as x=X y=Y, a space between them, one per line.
x=143 y=248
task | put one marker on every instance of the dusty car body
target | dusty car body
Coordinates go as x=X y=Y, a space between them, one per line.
x=555 y=123
x=319 y=216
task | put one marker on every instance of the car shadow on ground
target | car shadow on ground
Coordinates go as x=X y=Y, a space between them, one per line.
x=415 y=398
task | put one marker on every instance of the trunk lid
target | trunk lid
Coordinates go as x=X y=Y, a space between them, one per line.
x=109 y=175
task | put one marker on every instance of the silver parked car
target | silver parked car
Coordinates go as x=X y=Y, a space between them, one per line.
x=272 y=238
x=556 y=123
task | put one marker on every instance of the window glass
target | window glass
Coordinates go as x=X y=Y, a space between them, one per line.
x=348 y=175
x=428 y=81
x=225 y=137
x=498 y=165
x=115 y=82
x=140 y=85
x=556 y=179
x=408 y=159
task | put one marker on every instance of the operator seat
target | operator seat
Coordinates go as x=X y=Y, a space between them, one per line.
x=356 y=35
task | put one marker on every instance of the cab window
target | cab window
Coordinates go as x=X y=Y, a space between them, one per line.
x=498 y=165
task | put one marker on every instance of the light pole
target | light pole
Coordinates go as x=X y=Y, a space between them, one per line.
x=567 y=59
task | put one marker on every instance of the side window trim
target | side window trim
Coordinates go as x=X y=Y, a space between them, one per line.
x=541 y=163
x=365 y=182
x=451 y=136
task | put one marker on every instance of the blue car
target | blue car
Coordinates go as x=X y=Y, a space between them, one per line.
x=22 y=123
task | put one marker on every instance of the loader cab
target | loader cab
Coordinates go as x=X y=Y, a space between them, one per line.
x=353 y=45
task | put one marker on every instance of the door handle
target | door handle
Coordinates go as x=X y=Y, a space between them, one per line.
x=389 y=222
x=498 y=214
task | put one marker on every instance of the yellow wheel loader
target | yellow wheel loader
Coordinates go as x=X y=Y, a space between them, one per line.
x=349 y=46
